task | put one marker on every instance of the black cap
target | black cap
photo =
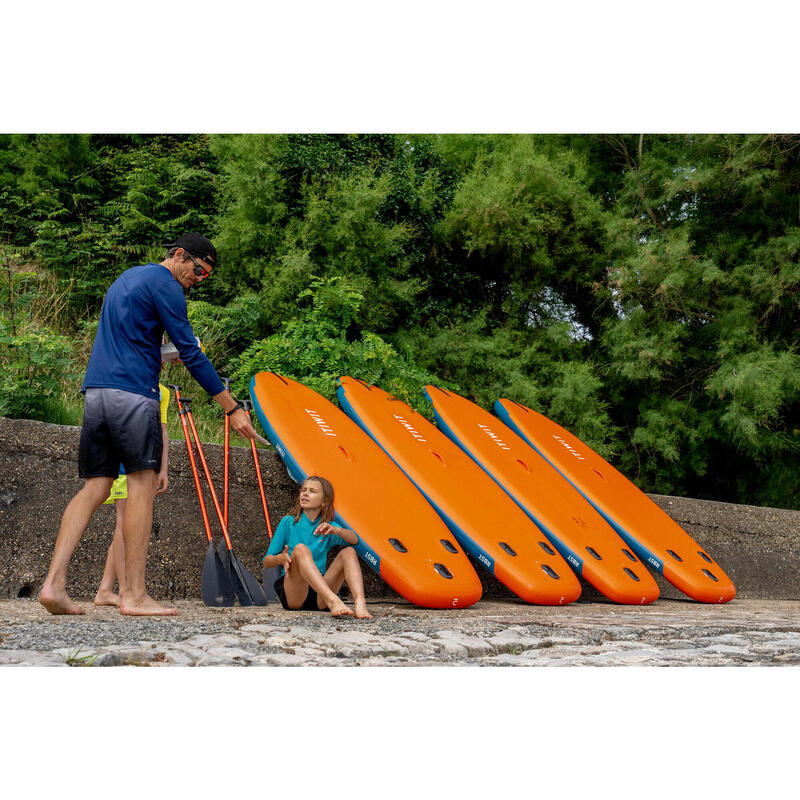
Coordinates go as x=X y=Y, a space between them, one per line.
x=197 y=245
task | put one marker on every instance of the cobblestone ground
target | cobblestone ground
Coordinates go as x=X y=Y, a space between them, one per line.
x=667 y=633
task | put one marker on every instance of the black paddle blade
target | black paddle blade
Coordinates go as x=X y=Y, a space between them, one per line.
x=216 y=587
x=247 y=589
x=225 y=557
x=269 y=577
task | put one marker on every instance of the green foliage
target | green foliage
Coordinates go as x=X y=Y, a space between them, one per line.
x=226 y=330
x=486 y=364
x=88 y=207
x=314 y=349
x=341 y=233
x=755 y=387
x=531 y=234
x=361 y=206
x=33 y=358
x=702 y=349
x=75 y=658
x=253 y=209
x=641 y=290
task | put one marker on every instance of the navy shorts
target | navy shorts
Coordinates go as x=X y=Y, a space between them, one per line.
x=119 y=428
x=309 y=604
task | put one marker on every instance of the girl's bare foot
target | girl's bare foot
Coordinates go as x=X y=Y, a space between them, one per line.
x=147 y=607
x=105 y=597
x=361 y=610
x=58 y=602
x=339 y=609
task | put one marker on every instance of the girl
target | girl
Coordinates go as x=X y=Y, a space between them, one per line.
x=300 y=545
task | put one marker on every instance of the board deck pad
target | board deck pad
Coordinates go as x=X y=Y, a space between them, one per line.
x=650 y=532
x=586 y=541
x=399 y=533
x=487 y=523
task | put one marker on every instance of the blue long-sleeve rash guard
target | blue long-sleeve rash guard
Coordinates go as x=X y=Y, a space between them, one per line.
x=139 y=306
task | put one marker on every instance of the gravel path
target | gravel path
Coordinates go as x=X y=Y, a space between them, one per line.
x=668 y=633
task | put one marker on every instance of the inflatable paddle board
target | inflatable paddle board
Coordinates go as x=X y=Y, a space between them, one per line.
x=587 y=542
x=399 y=534
x=487 y=523
x=649 y=531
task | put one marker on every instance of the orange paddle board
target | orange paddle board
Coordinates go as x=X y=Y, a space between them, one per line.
x=587 y=542
x=487 y=523
x=399 y=534
x=652 y=534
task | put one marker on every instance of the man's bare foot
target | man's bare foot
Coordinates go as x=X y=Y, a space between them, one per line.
x=145 y=608
x=105 y=597
x=58 y=602
x=361 y=610
x=339 y=609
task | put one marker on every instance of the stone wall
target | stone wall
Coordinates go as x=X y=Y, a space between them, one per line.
x=758 y=547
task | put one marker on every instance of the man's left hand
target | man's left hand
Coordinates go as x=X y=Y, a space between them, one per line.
x=162 y=482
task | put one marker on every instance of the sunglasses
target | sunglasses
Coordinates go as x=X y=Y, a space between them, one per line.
x=198 y=269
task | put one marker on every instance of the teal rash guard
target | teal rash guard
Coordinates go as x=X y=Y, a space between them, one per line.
x=292 y=533
x=138 y=307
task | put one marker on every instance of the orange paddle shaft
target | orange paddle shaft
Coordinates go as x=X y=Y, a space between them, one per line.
x=181 y=414
x=246 y=404
x=207 y=472
x=261 y=487
x=226 y=458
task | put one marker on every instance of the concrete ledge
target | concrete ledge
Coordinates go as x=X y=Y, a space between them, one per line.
x=758 y=547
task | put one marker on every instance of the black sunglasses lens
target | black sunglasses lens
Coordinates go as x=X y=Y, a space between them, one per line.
x=198 y=270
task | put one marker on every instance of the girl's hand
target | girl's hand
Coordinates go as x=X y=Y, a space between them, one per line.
x=325 y=529
x=284 y=558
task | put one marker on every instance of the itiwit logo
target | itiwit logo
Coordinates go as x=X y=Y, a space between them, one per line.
x=494 y=437
x=410 y=428
x=324 y=427
x=569 y=448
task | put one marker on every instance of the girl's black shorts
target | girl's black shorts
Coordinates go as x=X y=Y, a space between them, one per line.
x=119 y=428
x=310 y=603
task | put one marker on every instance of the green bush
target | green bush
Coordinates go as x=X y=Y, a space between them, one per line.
x=314 y=349
x=34 y=360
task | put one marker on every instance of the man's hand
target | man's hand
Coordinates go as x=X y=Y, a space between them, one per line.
x=240 y=422
x=162 y=482
x=240 y=419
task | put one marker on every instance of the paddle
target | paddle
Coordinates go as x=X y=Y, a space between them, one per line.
x=271 y=574
x=247 y=589
x=225 y=555
x=216 y=588
x=227 y=384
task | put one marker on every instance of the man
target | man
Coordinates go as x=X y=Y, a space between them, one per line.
x=121 y=412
